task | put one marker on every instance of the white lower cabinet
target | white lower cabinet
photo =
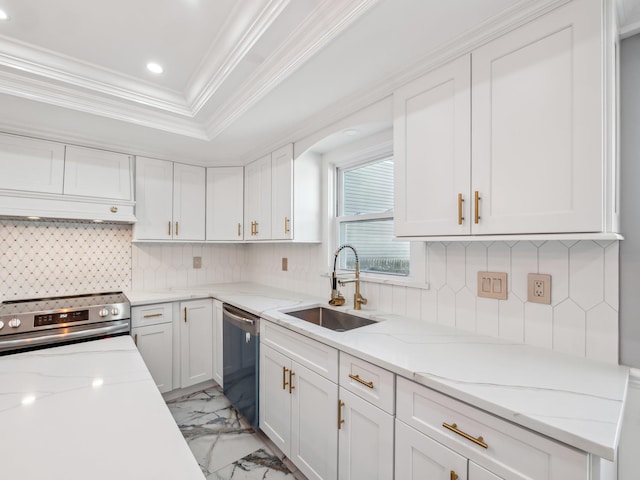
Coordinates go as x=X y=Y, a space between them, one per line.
x=196 y=341
x=438 y=434
x=365 y=440
x=152 y=333
x=298 y=405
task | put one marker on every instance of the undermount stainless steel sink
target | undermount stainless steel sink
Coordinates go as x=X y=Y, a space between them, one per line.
x=332 y=319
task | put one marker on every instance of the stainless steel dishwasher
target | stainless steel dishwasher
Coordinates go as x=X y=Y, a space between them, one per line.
x=241 y=355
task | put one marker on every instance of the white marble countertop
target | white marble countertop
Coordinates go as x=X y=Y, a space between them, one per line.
x=87 y=411
x=574 y=400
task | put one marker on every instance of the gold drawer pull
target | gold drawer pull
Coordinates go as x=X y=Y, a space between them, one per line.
x=284 y=378
x=286 y=225
x=454 y=428
x=454 y=475
x=291 y=387
x=239 y=229
x=169 y=229
x=340 y=419
x=477 y=205
x=114 y=209
x=151 y=315
x=135 y=339
x=177 y=225
x=460 y=202
x=359 y=380
x=185 y=314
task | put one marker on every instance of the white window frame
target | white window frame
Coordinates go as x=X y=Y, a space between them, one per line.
x=376 y=152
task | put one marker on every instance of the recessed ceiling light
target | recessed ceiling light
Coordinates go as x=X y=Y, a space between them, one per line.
x=3 y=15
x=351 y=132
x=155 y=68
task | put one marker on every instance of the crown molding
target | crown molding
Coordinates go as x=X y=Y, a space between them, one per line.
x=230 y=47
x=88 y=102
x=59 y=68
x=516 y=15
x=327 y=21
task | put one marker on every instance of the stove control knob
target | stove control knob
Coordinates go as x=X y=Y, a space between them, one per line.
x=14 y=322
x=115 y=311
x=104 y=312
x=1 y=324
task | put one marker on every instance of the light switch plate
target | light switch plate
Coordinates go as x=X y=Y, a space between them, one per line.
x=492 y=285
x=539 y=288
x=285 y=264
x=197 y=262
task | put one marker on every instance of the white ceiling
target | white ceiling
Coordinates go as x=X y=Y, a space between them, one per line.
x=241 y=76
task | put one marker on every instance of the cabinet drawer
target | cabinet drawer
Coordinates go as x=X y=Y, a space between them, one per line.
x=511 y=451
x=368 y=381
x=316 y=356
x=151 y=314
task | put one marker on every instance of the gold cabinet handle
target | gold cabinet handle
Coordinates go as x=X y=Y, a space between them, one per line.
x=453 y=476
x=477 y=206
x=359 y=380
x=284 y=378
x=169 y=230
x=239 y=226
x=151 y=315
x=454 y=428
x=135 y=339
x=177 y=229
x=340 y=419
x=114 y=209
x=255 y=225
x=253 y=228
x=286 y=225
x=291 y=387
x=460 y=202
x=185 y=314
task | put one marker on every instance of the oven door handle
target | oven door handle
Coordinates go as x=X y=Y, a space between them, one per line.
x=238 y=318
x=34 y=341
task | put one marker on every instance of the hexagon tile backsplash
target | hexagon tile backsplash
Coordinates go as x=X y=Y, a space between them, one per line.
x=42 y=258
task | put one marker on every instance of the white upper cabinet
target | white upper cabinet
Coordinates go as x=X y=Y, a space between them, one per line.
x=432 y=135
x=257 y=199
x=225 y=201
x=537 y=141
x=188 y=202
x=282 y=193
x=97 y=173
x=517 y=142
x=170 y=200
x=31 y=165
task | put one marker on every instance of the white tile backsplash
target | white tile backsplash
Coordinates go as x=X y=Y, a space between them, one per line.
x=582 y=320
x=58 y=258
x=42 y=258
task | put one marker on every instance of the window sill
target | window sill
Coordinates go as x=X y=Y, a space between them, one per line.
x=383 y=280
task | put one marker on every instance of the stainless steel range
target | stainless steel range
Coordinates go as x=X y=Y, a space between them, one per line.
x=46 y=322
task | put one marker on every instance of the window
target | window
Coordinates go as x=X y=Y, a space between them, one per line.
x=365 y=218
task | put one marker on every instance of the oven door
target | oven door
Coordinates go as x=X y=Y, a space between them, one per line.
x=241 y=354
x=32 y=340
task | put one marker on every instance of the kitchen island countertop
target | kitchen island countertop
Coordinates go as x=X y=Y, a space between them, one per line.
x=87 y=411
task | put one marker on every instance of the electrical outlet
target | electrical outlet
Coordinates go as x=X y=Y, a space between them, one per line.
x=197 y=262
x=285 y=264
x=539 y=288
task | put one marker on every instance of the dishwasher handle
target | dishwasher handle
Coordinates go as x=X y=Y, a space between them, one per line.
x=245 y=321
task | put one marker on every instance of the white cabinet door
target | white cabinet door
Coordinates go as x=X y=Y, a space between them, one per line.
x=97 y=173
x=419 y=457
x=478 y=473
x=155 y=343
x=189 y=185
x=225 y=203
x=257 y=200
x=365 y=440
x=433 y=153
x=196 y=342
x=282 y=193
x=218 y=359
x=31 y=165
x=275 y=399
x=154 y=199
x=314 y=421
x=537 y=135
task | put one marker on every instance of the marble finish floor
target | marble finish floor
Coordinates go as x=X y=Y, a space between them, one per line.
x=224 y=444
